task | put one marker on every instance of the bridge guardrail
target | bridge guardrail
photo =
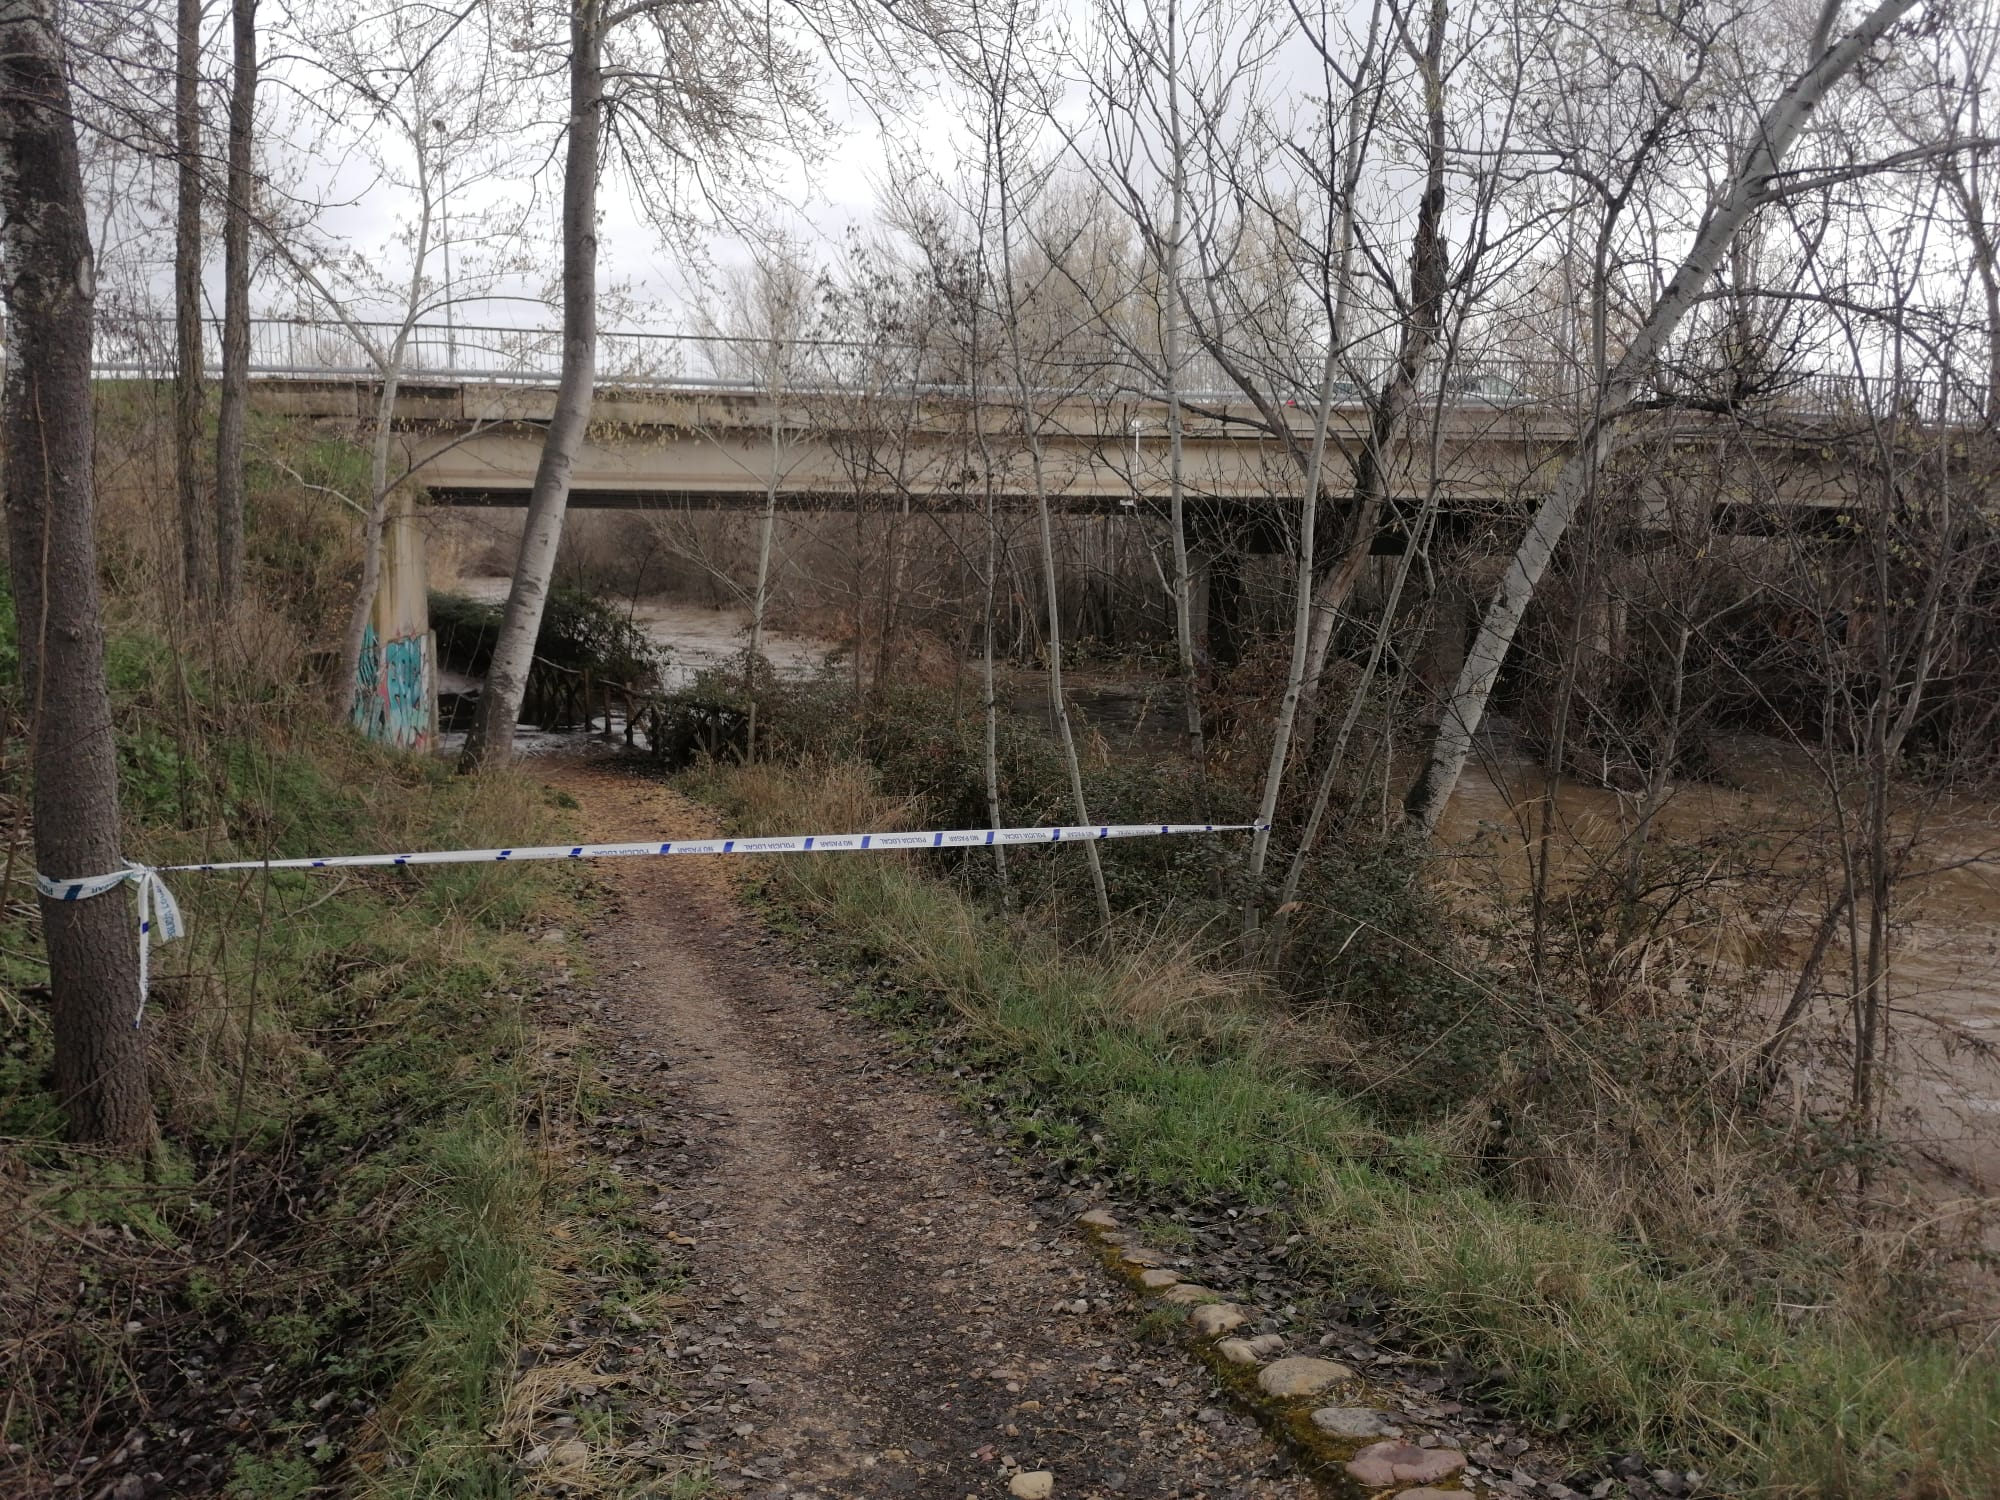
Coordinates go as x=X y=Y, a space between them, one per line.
x=308 y=349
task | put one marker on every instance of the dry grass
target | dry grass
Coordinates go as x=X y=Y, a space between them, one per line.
x=1172 y=1080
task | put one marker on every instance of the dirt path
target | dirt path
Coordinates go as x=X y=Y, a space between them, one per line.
x=878 y=1301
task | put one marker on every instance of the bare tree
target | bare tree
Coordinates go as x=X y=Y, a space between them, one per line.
x=233 y=416
x=1754 y=183
x=690 y=90
x=197 y=577
x=1003 y=81
x=49 y=283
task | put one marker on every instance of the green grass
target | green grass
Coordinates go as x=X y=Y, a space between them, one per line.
x=1143 y=1067
x=348 y=1194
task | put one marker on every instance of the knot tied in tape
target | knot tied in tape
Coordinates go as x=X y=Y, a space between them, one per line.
x=159 y=913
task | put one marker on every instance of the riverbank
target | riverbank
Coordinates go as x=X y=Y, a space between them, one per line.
x=1737 y=855
x=1180 y=1083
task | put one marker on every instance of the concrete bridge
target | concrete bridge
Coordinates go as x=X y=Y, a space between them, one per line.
x=683 y=421
x=686 y=422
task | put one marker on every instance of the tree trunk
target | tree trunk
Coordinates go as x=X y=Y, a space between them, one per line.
x=1171 y=343
x=767 y=525
x=197 y=578
x=1748 y=190
x=49 y=282
x=1045 y=529
x=491 y=741
x=1058 y=701
x=233 y=416
x=989 y=686
x=989 y=683
x=1419 y=334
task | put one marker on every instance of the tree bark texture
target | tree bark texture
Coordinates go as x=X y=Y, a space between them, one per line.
x=232 y=417
x=49 y=283
x=491 y=741
x=197 y=578
x=1748 y=190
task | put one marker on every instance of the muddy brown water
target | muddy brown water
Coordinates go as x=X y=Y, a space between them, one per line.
x=1945 y=963
x=697 y=637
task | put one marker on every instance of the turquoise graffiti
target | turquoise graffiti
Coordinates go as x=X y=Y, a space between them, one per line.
x=392 y=691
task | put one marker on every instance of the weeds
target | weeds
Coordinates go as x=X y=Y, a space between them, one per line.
x=1583 y=1330
x=321 y=1278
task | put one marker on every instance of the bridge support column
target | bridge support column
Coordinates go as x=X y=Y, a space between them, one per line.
x=1439 y=655
x=1217 y=606
x=395 y=694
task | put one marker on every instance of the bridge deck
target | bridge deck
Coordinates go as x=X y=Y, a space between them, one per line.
x=478 y=444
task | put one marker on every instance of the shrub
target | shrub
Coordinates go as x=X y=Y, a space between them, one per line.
x=585 y=645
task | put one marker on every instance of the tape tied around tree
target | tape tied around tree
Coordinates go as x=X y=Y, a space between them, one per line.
x=160 y=915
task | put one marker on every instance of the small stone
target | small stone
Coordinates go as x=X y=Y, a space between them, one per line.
x=1352 y=1422
x=1236 y=1351
x=569 y=1453
x=1097 y=1218
x=1144 y=1255
x=1034 y=1484
x=1154 y=1279
x=1212 y=1318
x=1299 y=1376
x=131 y=1487
x=1187 y=1294
x=1267 y=1344
x=1382 y=1464
x=555 y=935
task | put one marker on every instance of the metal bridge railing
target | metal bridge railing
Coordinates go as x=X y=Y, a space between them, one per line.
x=307 y=349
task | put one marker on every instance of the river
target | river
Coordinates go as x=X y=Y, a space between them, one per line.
x=696 y=638
x=1945 y=960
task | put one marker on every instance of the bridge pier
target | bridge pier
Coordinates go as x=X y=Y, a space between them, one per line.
x=1217 y=606
x=395 y=688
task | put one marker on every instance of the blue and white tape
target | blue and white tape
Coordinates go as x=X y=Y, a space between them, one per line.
x=160 y=916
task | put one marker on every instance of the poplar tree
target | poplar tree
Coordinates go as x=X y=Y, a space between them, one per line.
x=49 y=277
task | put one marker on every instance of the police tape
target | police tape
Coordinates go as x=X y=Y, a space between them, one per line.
x=160 y=917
